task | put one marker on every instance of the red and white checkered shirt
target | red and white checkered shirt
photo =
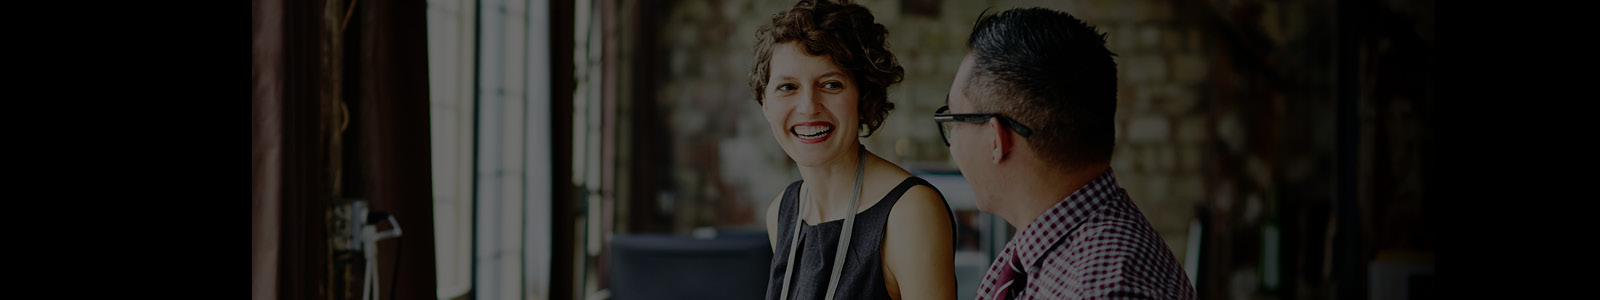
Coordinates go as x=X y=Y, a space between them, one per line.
x=1095 y=244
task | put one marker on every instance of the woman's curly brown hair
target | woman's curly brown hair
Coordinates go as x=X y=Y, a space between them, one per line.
x=845 y=32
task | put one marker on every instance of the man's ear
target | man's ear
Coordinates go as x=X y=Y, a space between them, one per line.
x=1002 y=141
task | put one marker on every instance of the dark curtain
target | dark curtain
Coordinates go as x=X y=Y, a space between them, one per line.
x=395 y=151
x=302 y=69
x=289 y=183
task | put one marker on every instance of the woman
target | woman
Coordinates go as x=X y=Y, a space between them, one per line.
x=821 y=76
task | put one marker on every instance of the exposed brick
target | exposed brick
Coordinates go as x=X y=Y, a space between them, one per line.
x=1150 y=37
x=1166 y=158
x=1189 y=68
x=1194 y=128
x=1122 y=158
x=1230 y=130
x=1177 y=240
x=1095 y=11
x=694 y=9
x=884 y=11
x=1158 y=187
x=1168 y=218
x=1149 y=129
x=1145 y=158
x=1182 y=99
x=1163 y=215
x=1072 y=7
x=1127 y=11
x=1121 y=39
x=1173 y=41
x=1143 y=69
x=1133 y=181
x=1190 y=158
x=1168 y=98
x=1157 y=11
x=1164 y=126
x=1125 y=100
x=1188 y=188
x=962 y=10
x=1196 y=41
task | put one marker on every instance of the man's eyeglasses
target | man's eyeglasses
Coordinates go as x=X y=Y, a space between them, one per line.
x=945 y=121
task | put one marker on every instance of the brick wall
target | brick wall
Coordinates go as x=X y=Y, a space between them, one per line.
x=1163 y=126
x=1226 y=105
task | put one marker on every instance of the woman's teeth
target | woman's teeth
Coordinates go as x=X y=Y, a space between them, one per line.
x=812 y=131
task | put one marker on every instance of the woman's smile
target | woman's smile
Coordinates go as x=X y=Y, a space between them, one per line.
x=812 y=132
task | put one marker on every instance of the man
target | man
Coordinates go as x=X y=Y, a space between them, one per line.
x=1030 y=123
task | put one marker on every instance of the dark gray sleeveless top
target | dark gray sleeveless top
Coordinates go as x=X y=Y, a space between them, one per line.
x=862 y=277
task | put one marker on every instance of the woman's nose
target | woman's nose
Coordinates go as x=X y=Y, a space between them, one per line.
x=810 y=102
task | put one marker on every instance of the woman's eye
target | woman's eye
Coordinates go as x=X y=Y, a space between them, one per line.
x=786 y=87
x=833 y=85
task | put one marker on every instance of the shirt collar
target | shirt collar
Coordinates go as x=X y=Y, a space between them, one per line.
x=1074 y=210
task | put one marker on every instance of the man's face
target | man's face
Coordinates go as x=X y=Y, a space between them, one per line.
x=971 y=145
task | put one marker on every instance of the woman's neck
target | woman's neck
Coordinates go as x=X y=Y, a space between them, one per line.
x=830 y=186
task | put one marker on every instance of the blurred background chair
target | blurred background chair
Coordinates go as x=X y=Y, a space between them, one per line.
x=726 y=265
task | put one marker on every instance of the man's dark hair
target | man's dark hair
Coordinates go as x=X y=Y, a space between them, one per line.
x=1051 y=72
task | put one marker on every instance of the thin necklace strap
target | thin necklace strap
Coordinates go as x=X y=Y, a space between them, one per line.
x=794 y=242
x=849 y=225
x=844 y=236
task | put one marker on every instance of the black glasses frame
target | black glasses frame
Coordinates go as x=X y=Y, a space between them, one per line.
x=940 y=117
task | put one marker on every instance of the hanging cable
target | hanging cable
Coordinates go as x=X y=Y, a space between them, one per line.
x=369 y=289
x=394 y=275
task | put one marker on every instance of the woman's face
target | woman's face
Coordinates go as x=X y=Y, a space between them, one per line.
x=811 y=106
